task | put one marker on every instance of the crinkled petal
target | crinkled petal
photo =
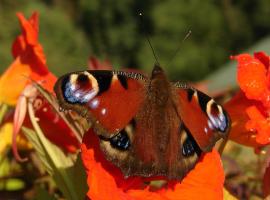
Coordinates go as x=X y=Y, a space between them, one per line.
x=252 y=78
x=236 y=108
x=258 y=123
x=249 y=111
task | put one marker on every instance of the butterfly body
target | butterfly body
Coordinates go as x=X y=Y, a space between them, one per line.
x=147 y=126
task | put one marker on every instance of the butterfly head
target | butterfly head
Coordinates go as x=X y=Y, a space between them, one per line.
x=157 y=70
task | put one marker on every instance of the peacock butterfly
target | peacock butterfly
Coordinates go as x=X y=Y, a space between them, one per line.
x=146 y=126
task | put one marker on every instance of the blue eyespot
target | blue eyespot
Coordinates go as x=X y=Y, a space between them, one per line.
x=188 y=148
x=120 y=141
x=72 y=94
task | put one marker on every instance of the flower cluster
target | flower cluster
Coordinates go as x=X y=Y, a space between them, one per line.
x=29 y=66
x=249 y=109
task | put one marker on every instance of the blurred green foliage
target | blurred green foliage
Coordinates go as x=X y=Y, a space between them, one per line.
x=71 y=31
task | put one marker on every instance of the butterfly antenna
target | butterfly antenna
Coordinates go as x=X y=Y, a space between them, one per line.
x=148 y=39
x=178 y=48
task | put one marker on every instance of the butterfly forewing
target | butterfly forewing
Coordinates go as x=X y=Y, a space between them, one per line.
x=109 y=99
x=206 y=120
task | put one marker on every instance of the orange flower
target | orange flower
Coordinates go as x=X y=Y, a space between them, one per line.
x=250 y=108
x=107 y=182
x=29 y=63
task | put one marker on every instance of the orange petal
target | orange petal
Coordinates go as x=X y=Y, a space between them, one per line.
x=29 y=34
x=260 y=124
x=206 y=178
x=236 y=108
x=107 y=182
x=30 y=63
x=13 y=81
x=29 y=28
x=252 y=78
x=261 y=56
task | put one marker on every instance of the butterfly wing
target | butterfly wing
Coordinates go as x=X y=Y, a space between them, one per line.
x=206 y=120
x=109 y=99
x=146 y=127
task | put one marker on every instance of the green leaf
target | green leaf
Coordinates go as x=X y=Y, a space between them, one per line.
x=79 y=178
x=61 y=167
x=42 y=194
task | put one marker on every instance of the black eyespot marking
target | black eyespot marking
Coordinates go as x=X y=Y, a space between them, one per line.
x=203 y=100
x=82 y=78
x=63 y=85
x=123 y=81
x=190 y=93
x=120 y=141
x=190 y=147
x=104 y=79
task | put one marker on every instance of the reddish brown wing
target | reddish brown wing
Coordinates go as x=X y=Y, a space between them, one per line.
x=205 y=119
x=110 y=99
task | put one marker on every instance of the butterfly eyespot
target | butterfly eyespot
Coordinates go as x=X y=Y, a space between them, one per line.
x=217 y=118
x=188 y=148
x=189 y=145
x=82 y=78
x=120 y=141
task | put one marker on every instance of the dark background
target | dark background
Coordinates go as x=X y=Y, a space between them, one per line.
x=71 y=31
